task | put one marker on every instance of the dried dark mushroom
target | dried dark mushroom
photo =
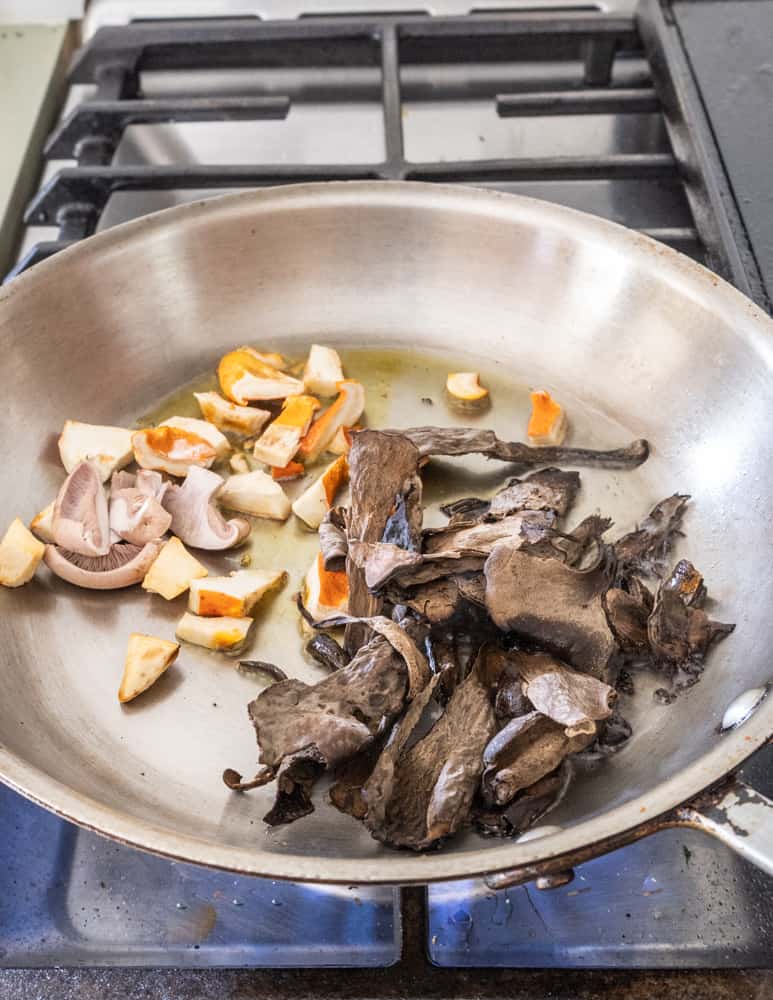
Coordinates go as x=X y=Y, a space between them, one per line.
x=487 y=655
x=326 y=651
x=419 y=794
x=457 y=441
x=552 y=604
x=644 y=550
x=525 y=750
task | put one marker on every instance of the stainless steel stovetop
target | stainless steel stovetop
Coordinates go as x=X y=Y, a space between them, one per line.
x=71 y=898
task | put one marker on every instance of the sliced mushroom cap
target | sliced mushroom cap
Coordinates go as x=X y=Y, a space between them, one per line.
x=151 y=483
x=80 y=520
x=171 y=449
x=123 y=566
x=195 y=518
x=138 y=518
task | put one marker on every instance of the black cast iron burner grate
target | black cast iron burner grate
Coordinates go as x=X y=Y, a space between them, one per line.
x=411 y=56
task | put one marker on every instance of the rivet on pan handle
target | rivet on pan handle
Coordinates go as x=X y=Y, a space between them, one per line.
x=732 y=812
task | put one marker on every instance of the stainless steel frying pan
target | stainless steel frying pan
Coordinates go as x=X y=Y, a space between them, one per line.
x=639 y=340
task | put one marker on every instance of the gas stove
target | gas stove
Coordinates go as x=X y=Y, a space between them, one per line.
x=604 y=111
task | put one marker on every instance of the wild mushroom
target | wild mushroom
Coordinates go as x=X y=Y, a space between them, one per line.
x=225 y=633
x=232 y=596
x=136 y=517
x=247 y=375
x=109 y=448
x=173 y=571
x=314 y=503
x=547 y=424
x=323 y=371
x=195 y=518
x=255 y=493
x=280 y=440
x=80 y=520
x=123 y=566
x=172 y=450
x=344 y=412
x=230 y=417
x=146 y=659
x=325 y=592
x=42 y=524
x=203 y=429
x=20 y=554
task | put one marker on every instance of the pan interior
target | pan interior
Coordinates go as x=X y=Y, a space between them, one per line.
x=409 y=288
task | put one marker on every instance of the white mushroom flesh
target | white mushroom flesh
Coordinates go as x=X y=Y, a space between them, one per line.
x=196 y=519
x=42 y=524
x=257 y=494
x=136 y=517
x=80 y=520
x=312 y=505
x=109 y=448
x=172 y=449
x=226 y=634
x=147 y=658
x=173 y=571
x=235 y=595
x=323 y=371
x=203 y=429
x=230 y=417
x=20 y=555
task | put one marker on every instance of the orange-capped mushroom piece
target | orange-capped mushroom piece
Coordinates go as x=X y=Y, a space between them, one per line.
x=548 y=424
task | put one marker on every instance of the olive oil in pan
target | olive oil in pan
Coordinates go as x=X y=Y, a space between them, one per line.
x=404 y=389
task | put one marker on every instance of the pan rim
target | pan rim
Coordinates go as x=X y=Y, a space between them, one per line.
x=396 y=868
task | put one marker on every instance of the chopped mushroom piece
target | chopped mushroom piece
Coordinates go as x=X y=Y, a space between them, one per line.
x=464 y=389
x=342 y=441
x=564 y=695
x=325 y=592
x=457 y=441
x=80 y=521
x=225 y=634
x=203 y=429
x=230 y=417
x=109 y=448
x=137 y=517
x=196 y=519
x=344 y=412
x=232 y=596
x=323 y=371
x=247 y=375
x=239 y=463
x=547 y=423
x=123 y=566
x=293 y=470
x=42 y=524
x=172 y=449
x=173 y=571
x=257 y=494
x=146 y=659
x=525 y=750
x=314 y=503
x=551 y=603
x=421 y=790
x=280 y=440
x=20 y=555
x=645 y=550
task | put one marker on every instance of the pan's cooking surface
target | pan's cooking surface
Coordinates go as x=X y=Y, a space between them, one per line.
x=635 y=340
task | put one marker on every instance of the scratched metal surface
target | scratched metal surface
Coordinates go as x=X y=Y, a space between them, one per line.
x=70 y=897
x=675 y=900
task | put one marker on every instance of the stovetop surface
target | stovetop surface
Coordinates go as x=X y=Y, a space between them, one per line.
x=69 y=897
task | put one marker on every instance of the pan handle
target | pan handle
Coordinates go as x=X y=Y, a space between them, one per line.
x=733 y=812
x=741 y=818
